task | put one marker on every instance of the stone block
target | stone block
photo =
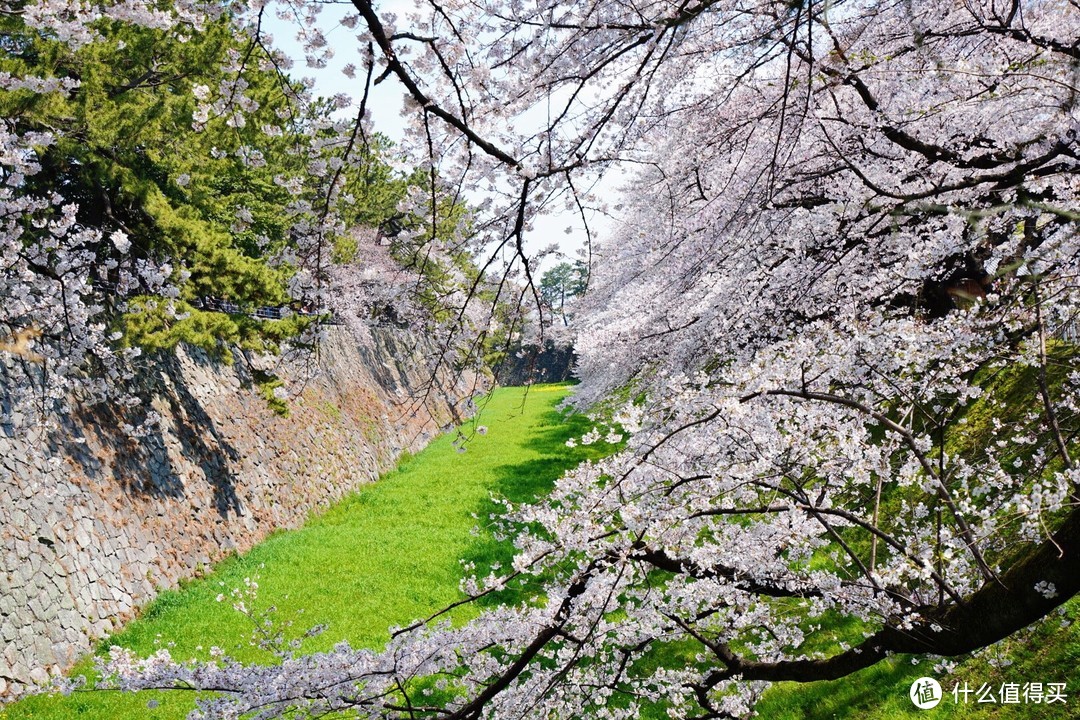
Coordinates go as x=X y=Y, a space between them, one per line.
x=19 y=672
x=50 y=609
x=69 y=619
x=64 y=599
x=76 y=641
x=56 y=567
x=24 y=576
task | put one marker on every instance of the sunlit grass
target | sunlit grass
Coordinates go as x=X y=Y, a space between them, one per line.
x=385 y=556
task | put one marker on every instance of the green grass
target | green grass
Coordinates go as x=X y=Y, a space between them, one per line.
x=385 y=556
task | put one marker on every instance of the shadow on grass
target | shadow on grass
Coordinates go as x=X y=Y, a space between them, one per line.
x=527 y=482
x=879 y=691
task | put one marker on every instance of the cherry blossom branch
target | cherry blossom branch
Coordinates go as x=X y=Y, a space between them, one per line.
x=990 y=614
x=1044 y=388
x=394 y=65
x=913 y=445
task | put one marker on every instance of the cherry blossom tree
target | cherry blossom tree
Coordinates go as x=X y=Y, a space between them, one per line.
x=833 y=305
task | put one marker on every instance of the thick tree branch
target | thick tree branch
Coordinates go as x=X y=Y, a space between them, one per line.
x=992 y=613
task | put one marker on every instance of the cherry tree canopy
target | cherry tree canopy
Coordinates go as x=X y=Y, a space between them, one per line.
x=837 y=320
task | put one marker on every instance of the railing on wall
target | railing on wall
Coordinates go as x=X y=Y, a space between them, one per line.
x=261 y=312
x=266 y=312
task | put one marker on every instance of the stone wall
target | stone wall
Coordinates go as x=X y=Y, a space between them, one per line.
x=94 y=523
x=530 y=364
